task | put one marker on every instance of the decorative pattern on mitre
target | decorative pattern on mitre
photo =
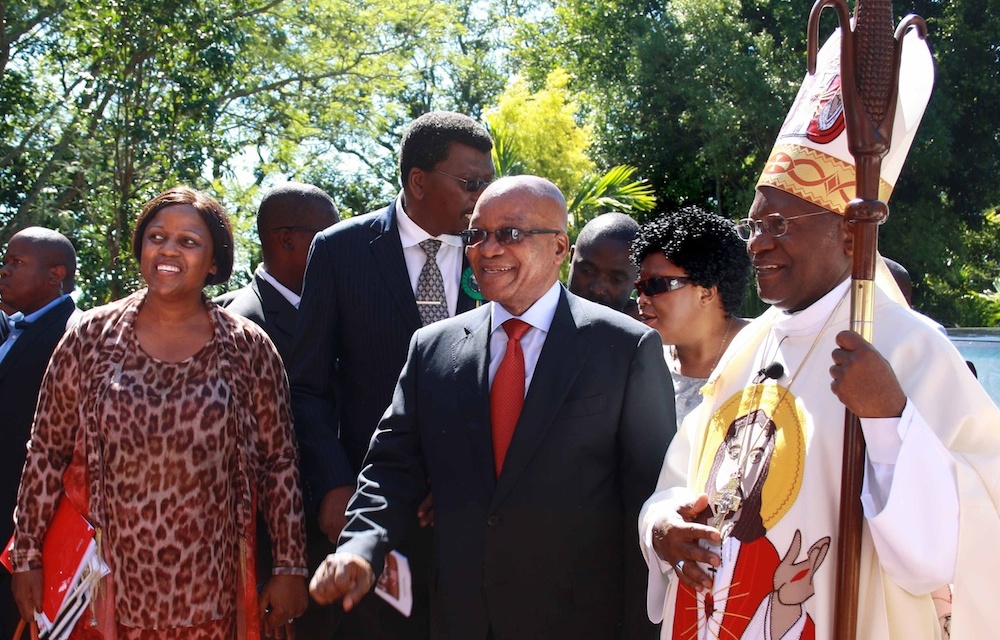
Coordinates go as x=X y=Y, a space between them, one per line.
x=811 y=158
x=814 y=176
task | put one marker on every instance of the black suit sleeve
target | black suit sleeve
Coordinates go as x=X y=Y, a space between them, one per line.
x=648 y=424
x=393 y=480
x=312 y=372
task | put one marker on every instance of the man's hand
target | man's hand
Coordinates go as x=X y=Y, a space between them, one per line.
x=676 y=540
x=342 y=576
x=27 y=589
x=332 y=511
x=864 y=380
x=282 y=599
x=425 y=512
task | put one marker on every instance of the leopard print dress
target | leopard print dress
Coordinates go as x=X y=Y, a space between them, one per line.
x=173 y=454
x=171 y=487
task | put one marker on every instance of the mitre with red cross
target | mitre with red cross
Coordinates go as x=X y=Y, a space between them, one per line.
x=810 y=158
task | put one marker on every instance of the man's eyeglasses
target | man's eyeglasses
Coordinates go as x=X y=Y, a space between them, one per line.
x=505 y=236
x=471 y=186
x=661 y=284
x=775 y=224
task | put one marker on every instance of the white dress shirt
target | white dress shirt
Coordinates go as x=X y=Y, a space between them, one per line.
x=449 y=256
x=539 y=316
x=293 y=298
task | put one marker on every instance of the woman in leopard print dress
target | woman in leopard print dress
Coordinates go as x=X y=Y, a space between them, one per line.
x=165 y=421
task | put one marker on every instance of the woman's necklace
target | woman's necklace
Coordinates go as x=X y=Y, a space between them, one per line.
x=718 y=354
x=722 y=343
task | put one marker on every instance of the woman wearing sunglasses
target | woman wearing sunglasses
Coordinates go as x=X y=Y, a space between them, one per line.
x=693 y=277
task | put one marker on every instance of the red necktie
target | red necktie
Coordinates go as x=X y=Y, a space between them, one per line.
x=507 y=392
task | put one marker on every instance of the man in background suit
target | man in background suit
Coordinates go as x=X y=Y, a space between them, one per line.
x=533 y=507
x=35 y=280
x=288 y=218
x=362 y=299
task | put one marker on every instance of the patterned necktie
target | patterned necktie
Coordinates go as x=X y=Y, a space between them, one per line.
x=430 y=286
x=507 y=392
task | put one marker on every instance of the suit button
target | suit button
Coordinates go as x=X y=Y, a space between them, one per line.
x=493 y=521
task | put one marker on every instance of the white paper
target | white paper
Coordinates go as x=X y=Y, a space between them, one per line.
x=395 y=585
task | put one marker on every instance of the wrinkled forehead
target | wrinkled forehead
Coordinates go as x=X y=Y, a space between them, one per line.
x=517 y=208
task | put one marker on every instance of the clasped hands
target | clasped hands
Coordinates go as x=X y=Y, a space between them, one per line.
x=342 y=576
x=677 y=540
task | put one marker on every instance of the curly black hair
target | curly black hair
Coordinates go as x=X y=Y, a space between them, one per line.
x=705 y=245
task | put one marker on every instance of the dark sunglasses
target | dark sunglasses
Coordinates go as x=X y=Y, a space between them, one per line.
x=505 y=236
x=471 y=186
x=661 y=284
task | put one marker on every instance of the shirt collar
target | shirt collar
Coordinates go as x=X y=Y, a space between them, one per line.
x=412 y=234
x=539 y=315
x=31 y=317
x=293 y=298
x=813 y=317
x=13 y=319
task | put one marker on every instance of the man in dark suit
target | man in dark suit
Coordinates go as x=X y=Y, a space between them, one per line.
x=534 y=507
x=367 y=289
x=288 y=218
x=35 y=280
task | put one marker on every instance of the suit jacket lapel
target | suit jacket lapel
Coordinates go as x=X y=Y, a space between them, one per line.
x=557 y=368
x=471 y=369
x=388 y=252
x=59 y=313
x=277 y=309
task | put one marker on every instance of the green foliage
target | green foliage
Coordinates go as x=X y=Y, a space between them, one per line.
x=506 y=156
x=542 y=127
x=532 y=132
x=105 y=104
x=615 y=190
x=117 y=101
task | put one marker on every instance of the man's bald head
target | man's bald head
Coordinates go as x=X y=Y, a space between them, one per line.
x=39 y=265
x=296 y=204
x=516 y=269
x=600 y=269
x=902 y=278
x=287 y=219
x=532 y=191
x=55 y=248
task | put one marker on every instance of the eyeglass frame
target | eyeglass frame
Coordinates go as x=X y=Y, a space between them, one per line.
x=512 y=233
x=471 y=186
x=673 y=284
x=757 y=226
